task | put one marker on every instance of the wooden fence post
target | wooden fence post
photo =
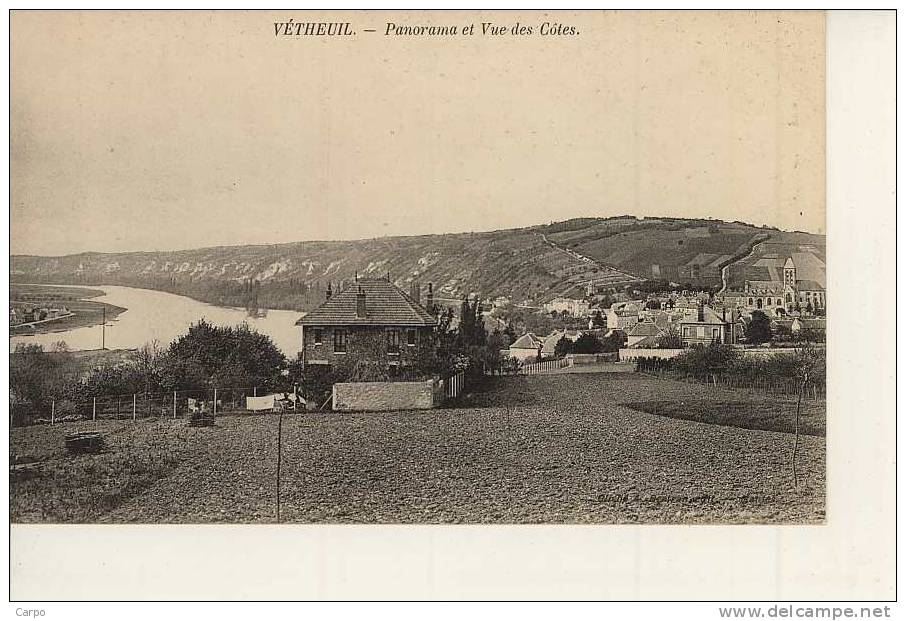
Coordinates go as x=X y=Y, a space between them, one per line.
x=174 y=405
x=53 y=410
x=94 y=408
x=133 y=405
x=215 y=402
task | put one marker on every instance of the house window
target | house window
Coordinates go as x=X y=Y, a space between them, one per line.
x=339 y=341
x=317 y=335
x=393 y=341
x=715 y=334
x=687 y=332
x=410 y=337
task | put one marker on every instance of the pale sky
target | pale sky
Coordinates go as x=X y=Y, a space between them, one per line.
x=159 y=131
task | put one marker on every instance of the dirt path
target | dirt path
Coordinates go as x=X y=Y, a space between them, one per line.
x=629 y=278
x=724 y=274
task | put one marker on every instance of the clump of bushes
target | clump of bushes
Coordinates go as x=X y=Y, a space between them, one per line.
x=701 y=361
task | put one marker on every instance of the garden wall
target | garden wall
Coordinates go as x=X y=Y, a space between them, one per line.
x=578 y=360
x=632 y=354
x=767 y=352
x=384 y=396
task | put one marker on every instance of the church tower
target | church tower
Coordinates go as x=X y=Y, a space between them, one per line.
x=789 y=273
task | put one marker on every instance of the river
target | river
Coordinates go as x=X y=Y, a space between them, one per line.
x=151 y=315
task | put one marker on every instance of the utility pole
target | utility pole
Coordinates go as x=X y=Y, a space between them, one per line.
x=279 y=458
x=104 y=328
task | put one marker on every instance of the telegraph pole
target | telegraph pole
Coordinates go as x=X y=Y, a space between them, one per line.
x=103 y=328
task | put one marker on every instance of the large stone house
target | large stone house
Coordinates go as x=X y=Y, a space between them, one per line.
x=372 y=320
x=705 y=326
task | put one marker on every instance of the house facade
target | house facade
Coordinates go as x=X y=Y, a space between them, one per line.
x=371 y=320
x=706 y=327
x=622 y=316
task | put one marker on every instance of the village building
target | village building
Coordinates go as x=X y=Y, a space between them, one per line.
x=622 y=315
x=549 y=346
x=526 y=348
x=372 y=320
x=570 y=306
x=644 y=331
x=797 y=286
x=705 y=327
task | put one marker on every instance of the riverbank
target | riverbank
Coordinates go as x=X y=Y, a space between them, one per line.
x=158 y=316
x=84 y=311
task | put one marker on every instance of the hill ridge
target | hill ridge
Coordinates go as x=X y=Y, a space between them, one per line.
x=532 y=263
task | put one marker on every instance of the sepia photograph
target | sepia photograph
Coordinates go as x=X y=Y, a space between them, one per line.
x=231 y=307
x=419 y=268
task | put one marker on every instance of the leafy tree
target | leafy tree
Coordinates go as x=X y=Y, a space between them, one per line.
x=809 y=363
x=214 y=355
x=36 y=377
x=563 y=347
x=510 y=334
x=700 y=361
x=471 y=331
x=670 y=339
x=616 y=340
x=587 y=344
x=758 y=330
x=597 y=319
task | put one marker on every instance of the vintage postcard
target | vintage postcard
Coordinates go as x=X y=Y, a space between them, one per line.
x=418 y=268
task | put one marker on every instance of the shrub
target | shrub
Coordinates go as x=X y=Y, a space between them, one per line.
x=587 y=344
x=758 y=330
x=699 y=360
x=652 y=363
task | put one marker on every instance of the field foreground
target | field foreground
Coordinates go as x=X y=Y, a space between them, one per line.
x=538 y=449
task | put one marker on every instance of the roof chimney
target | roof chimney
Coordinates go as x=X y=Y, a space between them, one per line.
x=429 y=299
x=360 y=304
x=701 y=312
x=415 y=291
x=329 y=290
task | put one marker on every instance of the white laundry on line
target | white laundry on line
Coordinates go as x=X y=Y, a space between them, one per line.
x=256 y=404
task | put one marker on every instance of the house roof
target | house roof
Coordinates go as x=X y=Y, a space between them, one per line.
x=710 y=317
x=645 y=328
x=809 y=285
x=385 y=305
x=646 y=343
x=526 y=341
x=809 y=267
x=550 y=342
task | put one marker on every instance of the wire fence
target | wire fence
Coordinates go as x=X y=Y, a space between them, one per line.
x=179 y=404
x=160 y=405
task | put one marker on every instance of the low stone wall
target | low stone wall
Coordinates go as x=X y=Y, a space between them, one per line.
x=767 y=352
x=580 y=360
x=632 y=354
x=386 y=396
